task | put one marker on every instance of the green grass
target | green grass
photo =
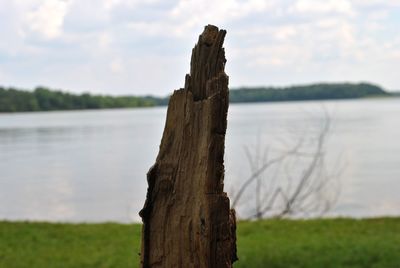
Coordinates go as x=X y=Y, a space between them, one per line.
x=44 y=245
x=320 y=243
x=270 y=243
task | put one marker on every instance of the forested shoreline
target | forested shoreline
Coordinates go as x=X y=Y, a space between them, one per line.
x=323 y=91
x=45 y=99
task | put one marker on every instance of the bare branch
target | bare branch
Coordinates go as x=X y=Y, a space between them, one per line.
x=255 y=175
x=314 y=192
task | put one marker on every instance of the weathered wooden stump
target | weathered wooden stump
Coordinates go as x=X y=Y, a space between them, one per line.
x=187 y=221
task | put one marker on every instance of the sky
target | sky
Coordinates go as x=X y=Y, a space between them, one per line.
x=122 y=47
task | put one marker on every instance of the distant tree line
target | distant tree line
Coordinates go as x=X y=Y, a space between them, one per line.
x=395 y=93
x=308 y=92
x=44 y=99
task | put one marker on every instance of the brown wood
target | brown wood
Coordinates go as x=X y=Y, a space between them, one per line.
x=187 y=221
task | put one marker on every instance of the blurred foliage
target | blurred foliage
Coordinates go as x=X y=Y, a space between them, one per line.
x=395 y=93
x=309 y=92
x=44 y=99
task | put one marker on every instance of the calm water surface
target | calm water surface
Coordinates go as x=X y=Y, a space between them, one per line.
x=91 y=165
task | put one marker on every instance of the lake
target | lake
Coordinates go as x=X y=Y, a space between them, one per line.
x=90 y=166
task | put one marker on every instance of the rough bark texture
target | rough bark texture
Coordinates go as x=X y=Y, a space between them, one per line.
x=187 y=221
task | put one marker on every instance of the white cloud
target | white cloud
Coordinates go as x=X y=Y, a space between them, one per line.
x=396 y=54
x=273 y=55
x=117 y=66
x=285 y=32
x=274 y=61
x=47 y=17
x=379 y=3
x=104 y=40
x=296 y=40
x=326 y=6
x=2 y=75
x=188 y=15
x=109 y=4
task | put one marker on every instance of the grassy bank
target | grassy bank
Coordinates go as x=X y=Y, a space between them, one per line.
x=271 y=243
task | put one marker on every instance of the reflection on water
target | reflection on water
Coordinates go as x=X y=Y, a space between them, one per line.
x=91 y=165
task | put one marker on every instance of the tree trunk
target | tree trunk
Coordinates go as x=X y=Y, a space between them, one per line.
x=187 y=221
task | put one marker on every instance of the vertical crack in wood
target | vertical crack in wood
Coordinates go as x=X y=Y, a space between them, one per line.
x=187 y=221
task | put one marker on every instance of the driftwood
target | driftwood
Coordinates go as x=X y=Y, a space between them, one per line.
x=187 y=221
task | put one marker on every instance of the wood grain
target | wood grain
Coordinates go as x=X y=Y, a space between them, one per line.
x=187 y=221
